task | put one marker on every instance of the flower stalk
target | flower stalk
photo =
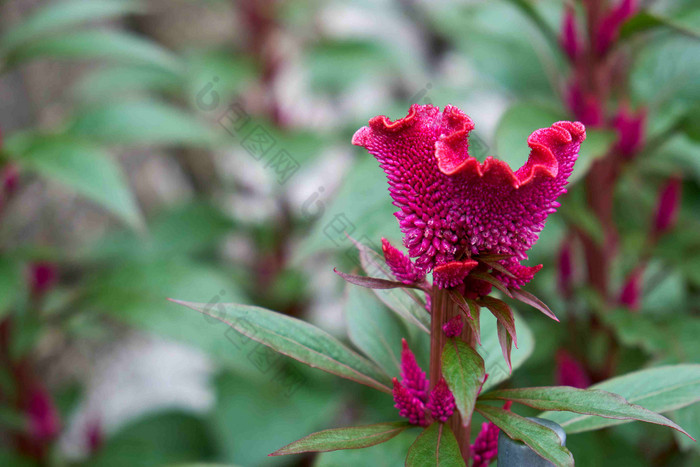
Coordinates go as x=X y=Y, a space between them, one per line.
x=443 y=310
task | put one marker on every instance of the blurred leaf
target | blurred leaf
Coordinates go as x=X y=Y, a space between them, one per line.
x=490 y=349
x=523 y=118
x=11 y=284
x=658 y=389
x=252 y=419
x=160 y=439
x=389 y=454
x=113 y=83
x=143 y=122
x=102 y=44
x=582 y=401
x=79 y=165
x=374 y=329
x=646 y=20
x=297 y=339
x=62 y=15
x=436 y=446
x=542 y=440
x=354 y=437
x=335 y=64
x=667 y=69
x=529 y=9
x=463 y=369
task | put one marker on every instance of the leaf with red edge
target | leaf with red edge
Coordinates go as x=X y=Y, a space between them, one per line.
x=500 y=268
x=506 y=343
x=530 y=299
x=373 y=282
x=584 y=401
x=503 y=314
x=436 y=446
x=542 y=440
x=354 y=437
x=475 y=321
x=470 y=312
x=493 y=281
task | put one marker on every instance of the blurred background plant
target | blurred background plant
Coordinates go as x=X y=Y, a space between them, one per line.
x=165 y=148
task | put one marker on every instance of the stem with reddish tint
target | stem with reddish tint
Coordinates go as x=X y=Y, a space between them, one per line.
x=443 y=309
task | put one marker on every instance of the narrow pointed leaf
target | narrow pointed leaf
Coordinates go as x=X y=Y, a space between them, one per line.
x=475 y=321
x=297 y=339
x=503 y=314
x=583 y=401
x=470 y=312
x=490 y=350
x=542 y=440
x=506 y=343
x=355 y=437
x=435 y=447
x=660 y=390
x=373 y=282
x=463 y=369
x=405 y=302
x=529 y=299
x=498 y=267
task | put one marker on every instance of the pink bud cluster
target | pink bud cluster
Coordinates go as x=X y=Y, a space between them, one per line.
x=411 y=395
x=401 y=265
x=485 y=447
x=453 y=327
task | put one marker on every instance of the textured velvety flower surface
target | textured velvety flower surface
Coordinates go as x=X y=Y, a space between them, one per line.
x=451 y=204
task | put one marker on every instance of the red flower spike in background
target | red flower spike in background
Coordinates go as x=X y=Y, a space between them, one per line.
x=667 y=206
x=410 y=407
x=609 y=27
x=570 y=372
x=631 y=293
x=566 y=270
x=441 y=402
x=42 y=277
x=453 y=327
x=450 y=203
x=630 y=131
x=401 y=266
x=412 y=376
x=585 y=106
x=570 y=40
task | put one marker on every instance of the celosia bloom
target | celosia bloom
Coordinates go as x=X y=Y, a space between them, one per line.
x=485 y=447
x=569 y=39
x=441 y=402
x=631 y=293
x=411 y=394
x=451 y=204
x=400 y=264
x=609 y=27
x=570 y=372
x=630 y=131
x=453 y=327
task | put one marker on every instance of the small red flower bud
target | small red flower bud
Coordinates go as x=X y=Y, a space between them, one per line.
x=630 y=131
x=566 y=271
x=409 y=406
x=441 y=402
x=569 y=38
x=667 y=206
x=412 y=376
x=609 y=27
x=453 y=327
x=42 y=277
x=401 y=265
x=570 y=372
x=631 y=293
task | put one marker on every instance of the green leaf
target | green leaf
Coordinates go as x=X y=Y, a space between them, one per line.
x=143 y=122
x=102 y=44
x=503 y=314
x=490 y=350
x=374 y=329
x=63 y=15
x=646 y=20
x=297 y=339
x=542 y=440
x=11 y=283
x=389 y=454
x=463 y=369
x=583 y=401
x=657 y=389
x=82 y=167
x=436 y=446
x=356 y=437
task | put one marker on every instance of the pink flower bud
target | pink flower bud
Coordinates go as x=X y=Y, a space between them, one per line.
x=630 y=131
x=485 y=447
x=441 y=402
x=409 y=406
x=10 y=179
x=453 y=327
x=401 y=266
x=609 y=27
x=570 y=372
x=569 y=38
x=44 y=422
x=94 y=435
x=586 y=107
x=631 y=293
x=668 y=205
x=412 y=376
x=42 y=277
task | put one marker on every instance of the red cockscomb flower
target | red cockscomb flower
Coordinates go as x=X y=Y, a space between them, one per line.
x=452 y=205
